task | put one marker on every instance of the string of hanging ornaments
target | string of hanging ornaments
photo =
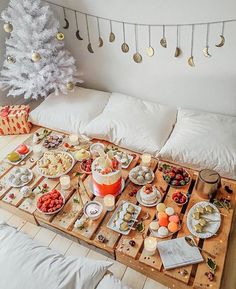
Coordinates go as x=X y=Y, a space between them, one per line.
x=137 y=57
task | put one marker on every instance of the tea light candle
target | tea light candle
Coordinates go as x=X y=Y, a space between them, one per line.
x=73 y=139
x=109 y=202
x=37 y=150
x=150 y=245
x=146 y=160
x=65 y=182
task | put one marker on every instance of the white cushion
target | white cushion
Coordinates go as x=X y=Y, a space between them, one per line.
x=71 y=112
x=133 y=123
x=110 y=282
x=25 y=264
x=203 y=140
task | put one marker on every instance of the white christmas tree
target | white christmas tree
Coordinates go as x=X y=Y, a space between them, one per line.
x=36 y=62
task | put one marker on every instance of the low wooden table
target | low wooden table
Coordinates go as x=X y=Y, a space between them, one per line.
x=117 y=245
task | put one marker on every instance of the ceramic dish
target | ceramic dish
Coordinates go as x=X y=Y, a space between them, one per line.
x=93 y=210
x=213 y=220
x=175 y=177
x=179 y=198
x=95 y=147
x=138 y=197
x=17 y=175
x=157 y=235
x=57 y=210
x=124 y=158
x=115 y=221
x=22 y=156
x=53 y=141
x=46 y=165
x=140 y=172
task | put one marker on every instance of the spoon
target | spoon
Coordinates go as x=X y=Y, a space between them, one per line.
x=191 y=243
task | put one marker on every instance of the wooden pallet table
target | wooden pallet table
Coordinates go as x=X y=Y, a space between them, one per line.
x=117 y=246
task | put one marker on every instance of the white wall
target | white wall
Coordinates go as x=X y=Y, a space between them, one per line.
x=209 y=86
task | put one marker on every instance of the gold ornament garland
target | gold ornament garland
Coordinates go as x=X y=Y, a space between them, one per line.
x=137 y=57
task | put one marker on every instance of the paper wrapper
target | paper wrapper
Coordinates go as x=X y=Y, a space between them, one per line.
x=14 y=119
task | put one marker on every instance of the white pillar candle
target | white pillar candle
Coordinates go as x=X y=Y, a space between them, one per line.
x=150 y=246
x=38 y=150
x=73 y=139
x=65 y=182
x=146 y=160
x=109 y=202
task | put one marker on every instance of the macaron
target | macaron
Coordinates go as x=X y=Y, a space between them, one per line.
x=163 y=231
x=174 y=218
x=169 y=211
x=172 y=227
x=163 y=222
x=162 y=215
x=161 y=207
x=154 y=225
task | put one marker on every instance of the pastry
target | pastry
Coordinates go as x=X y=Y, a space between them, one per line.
x=20 y=177
x=208 y=209
x=26 y=191
x=149 y=194
x=141 y=175
x=174 y=218
x=196 y=215
x=163 y=232
x=200 y=210
x=198 y=228
x=202 y=222
x=172 y=227
x=169 y=211
x=161 y=207
x=154 y=225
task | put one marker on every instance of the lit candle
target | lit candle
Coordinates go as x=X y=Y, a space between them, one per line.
x=109 y=202
x=37 y=150
x=146 y=160
x=150 y=246
x=73 y=139
x=65 y=182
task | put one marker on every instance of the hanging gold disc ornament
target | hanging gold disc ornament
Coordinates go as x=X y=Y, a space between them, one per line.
x=11 y=59
x=150 y=49
x=8 y=27
x=163 y=40
x=124 y=45
x=36 y=57
x=190 y=59
x=60 y=36
x=137 y=57
x=89 y=46
x=222 y=38
x=70 y=85
x=112 y=36
x=178 y=51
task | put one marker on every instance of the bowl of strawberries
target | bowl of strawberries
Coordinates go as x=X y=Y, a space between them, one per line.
x=51 y=203
x=86 y=166
x=175 y=176
x=179 y=198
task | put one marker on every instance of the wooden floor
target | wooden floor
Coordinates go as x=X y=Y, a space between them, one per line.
x=130 y=277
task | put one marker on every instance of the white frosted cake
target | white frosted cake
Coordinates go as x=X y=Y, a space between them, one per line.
x=106 y=176
x=149 y=194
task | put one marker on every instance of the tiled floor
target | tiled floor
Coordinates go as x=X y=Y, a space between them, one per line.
x=68 y=247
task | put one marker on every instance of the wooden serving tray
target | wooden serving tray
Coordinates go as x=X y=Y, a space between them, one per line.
x=117 y=245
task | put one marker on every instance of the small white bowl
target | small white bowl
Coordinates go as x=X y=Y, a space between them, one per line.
x=93 y=210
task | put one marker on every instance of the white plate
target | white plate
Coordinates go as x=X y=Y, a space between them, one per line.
x=130 y=158
x=138 y=197
x=122 y=187
x=58 y=210
x=61 y=174
x=22 y=156
x=113 y=227
x=211 y=227
x=136 y=182
x=22 y=184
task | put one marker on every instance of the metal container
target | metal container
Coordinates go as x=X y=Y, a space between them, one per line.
x=207 y=183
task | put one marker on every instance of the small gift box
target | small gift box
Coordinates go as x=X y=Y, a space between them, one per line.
x=14 y=119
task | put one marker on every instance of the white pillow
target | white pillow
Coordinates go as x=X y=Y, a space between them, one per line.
x=203 y=140
x=71 y=112
x=25 y=264
x=133 y=123
x=110 y=282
